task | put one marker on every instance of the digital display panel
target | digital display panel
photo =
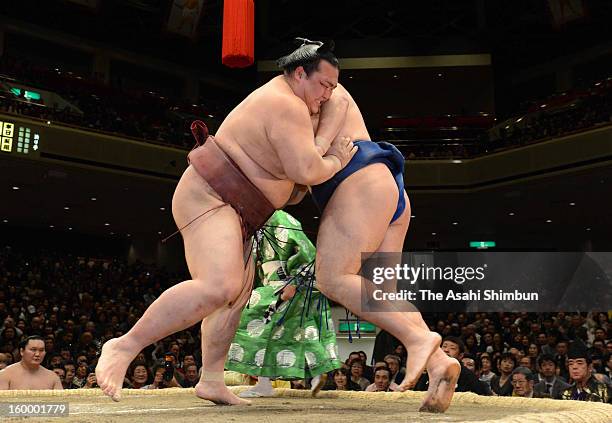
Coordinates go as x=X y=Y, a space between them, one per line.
x=18 y=139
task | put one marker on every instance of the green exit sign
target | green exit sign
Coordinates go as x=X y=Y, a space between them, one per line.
x=364 y=327
x=482 y=244
x=30 y=95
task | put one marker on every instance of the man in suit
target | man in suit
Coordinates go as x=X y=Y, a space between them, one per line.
x=550 y=383
x=522 y=384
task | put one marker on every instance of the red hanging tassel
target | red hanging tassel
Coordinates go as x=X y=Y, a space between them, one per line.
x=238 y=50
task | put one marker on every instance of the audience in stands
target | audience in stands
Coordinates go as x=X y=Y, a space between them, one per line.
x=74 y=304
x=557 y=116
x=94 y=105
x=153 y=117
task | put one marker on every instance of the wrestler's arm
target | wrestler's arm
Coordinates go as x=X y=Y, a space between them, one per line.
x=4 y=379
x=291 y=134
x=57 y=383
x=331 y=119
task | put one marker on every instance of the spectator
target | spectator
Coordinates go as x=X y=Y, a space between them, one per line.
x=28 y=373
x=50 y=344
x=61 y=373
x=549 y=383
x=471 y=346
x=561 y=358
x=298 y=384
x=188 y=360
x=598 y=348
x=341 y=381
x=4 y=360
x=9 y=322
x=139 y=375
x=55 y=360
x=158 y=379
x=382 y=381
x=533 y=351
x=470 y=363
x=80 y=378
x=401 y=352
x=600 y=335
x=584 y=387
x=522 y=383
x=487 y=343
x=368 y=372
x=486 y=374
x=356 y=367
x=90 y=381
x=394 y=363
x=70 y=372
x=552 y=336
x=353 y=356
x=608 y=367
x=191 y=376
x=502 y=384
x=527 y=362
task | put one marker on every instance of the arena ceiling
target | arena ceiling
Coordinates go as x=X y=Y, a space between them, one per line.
x=520 y=32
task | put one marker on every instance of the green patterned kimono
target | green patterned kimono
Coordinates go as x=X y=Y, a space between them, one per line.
x=298 y=341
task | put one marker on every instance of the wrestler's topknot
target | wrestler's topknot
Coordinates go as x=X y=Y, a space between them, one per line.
x=308 y=55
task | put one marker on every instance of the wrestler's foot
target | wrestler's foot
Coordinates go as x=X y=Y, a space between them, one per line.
x=218 y=393
x=443 y=374
x=418 y=356
x=117 y=354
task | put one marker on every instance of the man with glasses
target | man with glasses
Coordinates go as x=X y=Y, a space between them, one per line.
x=522 y=384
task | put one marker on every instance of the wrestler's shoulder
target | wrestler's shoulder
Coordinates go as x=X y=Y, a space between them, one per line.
x=282 y=100
x=8 y=370
x=277 y=93
x=47 y=372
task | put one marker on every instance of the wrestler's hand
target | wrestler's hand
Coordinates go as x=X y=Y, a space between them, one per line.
x=288 y=292
x=343 y=149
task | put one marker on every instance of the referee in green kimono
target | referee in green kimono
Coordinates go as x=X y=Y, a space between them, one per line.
x=286 y=330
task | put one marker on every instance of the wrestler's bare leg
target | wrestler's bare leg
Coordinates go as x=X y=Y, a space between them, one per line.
x=443 y=370
x=213 y=250
x=218 y=330
x=355 y=221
